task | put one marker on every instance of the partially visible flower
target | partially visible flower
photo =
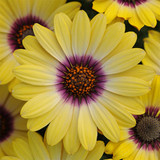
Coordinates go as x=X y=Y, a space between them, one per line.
x=137 y=12
x=142 y=141
x=16 y=20
x=35 y=149
x=81 y=77
x=152 y=47
x=11 y=124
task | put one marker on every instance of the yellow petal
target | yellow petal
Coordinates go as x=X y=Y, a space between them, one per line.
x=124 y=11
x=25 y=91
x=141 y=154
x=111 y=38
x=36 y=75
x=98 y=25
x=6 y=68
x=154 y=34
x=127 y=42
x=152 y=49
x=40 y=104
x=122 y=116
x=139 y=71
x=10 y=158
x=112 y=11
x=3 y=93
x=97 y=152
x=55 y=151
x=37 y=146
x=13 y=105
x=124 y=150
x=146 y=15
x=59 y=126
x=62 y=25
x=34 y=57
x=111 y=147
x=152 y=64
x=22 y=149
x=38 y=123
x=135 y=20
x=71 y=140
x=44 y=9
x=124 y=61
x=134 y=105
x=101 y=6
x=81 y=154
x=48 y=41
x=70 y=9
x=105 y=121
x=124 y=134
x=128 y=86
x=155 y=90
x=87 y=129
x=20 y=123
x=80 y=33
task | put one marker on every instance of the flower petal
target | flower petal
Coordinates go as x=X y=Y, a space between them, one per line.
x=58 y=128
x=98 y=25
x=133 y=105
x=62 y=25
x=22 y=149
x=36 y=75
x=128 y=86
x=25 y=91
x=38 y=123
x=105 y=121
x=40 y=104
x=6 y=68
x=146 y=15
x=48 y=41
x=87 y=129
x=80 y=33
x=112 y=11
x=110 y=40
x=97 y=152
x=37 y=146
x=71 y=140
x=122 y=116
x=124 y=61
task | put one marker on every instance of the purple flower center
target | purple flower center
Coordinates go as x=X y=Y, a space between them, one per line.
x=80 y=79
x=147 y=130
x=21 y=28
x=131 y=3
x=6 y=124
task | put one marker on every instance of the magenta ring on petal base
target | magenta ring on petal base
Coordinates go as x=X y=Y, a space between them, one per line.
x=131 y=3
x=6 y=124
x=21 y=28
x=146 y=133
x=80 y=79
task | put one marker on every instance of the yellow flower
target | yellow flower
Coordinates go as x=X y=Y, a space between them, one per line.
x=11 y=124
x=152 y=47
x=142 y=141
x=36 y=149
x=16 y=20
x=137 y=12
x=80 y=77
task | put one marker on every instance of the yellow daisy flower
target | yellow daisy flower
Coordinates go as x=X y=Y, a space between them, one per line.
x=142 y=141
x=35 y=149
x=152 y=47
x=80 y=77
x=137 y=12
x=16 y=20
x=11 y=124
